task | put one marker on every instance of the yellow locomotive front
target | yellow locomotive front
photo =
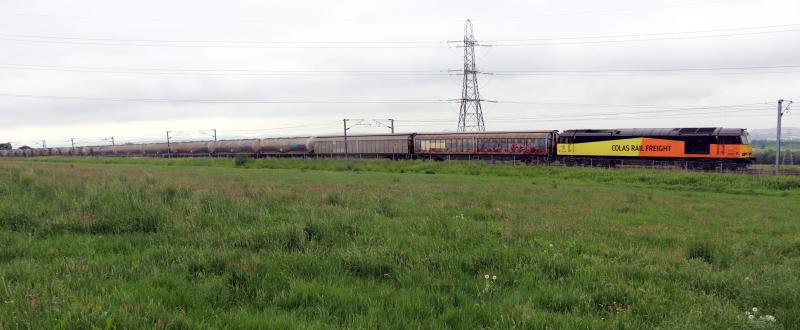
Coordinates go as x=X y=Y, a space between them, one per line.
x=705 y=146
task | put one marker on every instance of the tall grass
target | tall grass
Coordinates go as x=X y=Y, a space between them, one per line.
x=291 y=243
x=669 y=179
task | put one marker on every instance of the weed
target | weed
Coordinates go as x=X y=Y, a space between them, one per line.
x=291 y=243
x=701 y=250
x=386 y=207
x=242 y=160
x=334 y=199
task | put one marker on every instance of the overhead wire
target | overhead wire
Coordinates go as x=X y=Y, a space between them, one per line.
x=381 y=44
x=616 y=36
x=358 y=44
x=220 y=71
x=397 y=73
x=350 y=101
x=665 y=111
x=556 y=42
x=370 y=18
x=742 y=113
x=244 y=101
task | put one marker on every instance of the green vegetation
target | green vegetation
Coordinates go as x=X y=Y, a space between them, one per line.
x=766 y=144
x=772 y=167
x=764 y=151
x=285 y=243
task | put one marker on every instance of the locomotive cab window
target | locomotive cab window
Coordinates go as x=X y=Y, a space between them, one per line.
x=746 y=138
x=565 y=139
x=700 y=145
x=730 y=140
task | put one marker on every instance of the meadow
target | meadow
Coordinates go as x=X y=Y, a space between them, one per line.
x=293 y=243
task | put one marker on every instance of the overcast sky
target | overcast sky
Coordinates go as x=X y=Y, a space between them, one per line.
x=564 y=65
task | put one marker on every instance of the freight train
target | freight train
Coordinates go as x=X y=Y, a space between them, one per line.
x=706 y=147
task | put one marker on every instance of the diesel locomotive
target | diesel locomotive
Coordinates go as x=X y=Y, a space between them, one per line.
x=706 y=147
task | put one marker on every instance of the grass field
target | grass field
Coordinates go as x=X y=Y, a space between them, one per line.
x=204 y=243
x=772 y=167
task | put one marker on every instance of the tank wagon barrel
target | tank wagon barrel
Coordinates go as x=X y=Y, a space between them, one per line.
x=103 y=151
x=155 y=149
x=300 y=145
x=234 y=146
x=190 y=148
x=128 y=150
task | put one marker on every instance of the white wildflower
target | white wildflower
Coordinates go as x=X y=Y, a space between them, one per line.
x=769 y=318
x=486 y=276
x=750 y=317
x=755 y=310
x=494 y=277
x=551 y=244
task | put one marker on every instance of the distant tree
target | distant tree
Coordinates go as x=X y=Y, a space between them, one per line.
x=24 y=148
x=5 y=146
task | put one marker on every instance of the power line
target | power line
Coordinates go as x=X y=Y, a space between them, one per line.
x=662 y=109
x=395 y=44
x=343 y=45
x=739 y=110
x=368 y=72
x=613 y=115
x=369 y=19
x=525 y=72
x=587 y=117
x=646 y=74
x=366 y=101
x=252 y=101
x=753 y=113
x=617 y=36
x=556 y=42
x=222 y=72
x=571 y=104
x=268 y=42
x=182 y=135
x=615 y=10
x=581 y=119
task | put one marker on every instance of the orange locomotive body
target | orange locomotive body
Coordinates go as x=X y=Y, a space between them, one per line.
x=708 y=146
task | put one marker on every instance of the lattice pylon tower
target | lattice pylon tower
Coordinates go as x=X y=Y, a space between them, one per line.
x=470 y=115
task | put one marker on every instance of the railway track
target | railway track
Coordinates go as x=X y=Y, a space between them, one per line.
x=753 y=171
x=749 y=171
x=516 y=162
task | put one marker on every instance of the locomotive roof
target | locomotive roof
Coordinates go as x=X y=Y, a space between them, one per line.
x=686 y=131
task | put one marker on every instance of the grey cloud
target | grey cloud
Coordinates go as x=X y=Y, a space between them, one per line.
x=415 y=20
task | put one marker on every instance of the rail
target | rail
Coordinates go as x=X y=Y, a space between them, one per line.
x=491 y=160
